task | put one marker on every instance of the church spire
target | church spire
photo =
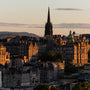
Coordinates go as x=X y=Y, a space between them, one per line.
x=48 y=20
x=48 y=26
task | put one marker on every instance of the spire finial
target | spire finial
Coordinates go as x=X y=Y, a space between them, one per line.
x=48 y=14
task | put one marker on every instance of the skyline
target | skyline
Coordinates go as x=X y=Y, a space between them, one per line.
x=29 y=15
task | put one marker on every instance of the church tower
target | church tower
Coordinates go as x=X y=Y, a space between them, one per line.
x=48 y=26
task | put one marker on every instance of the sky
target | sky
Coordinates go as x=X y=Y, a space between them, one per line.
x=31 y=16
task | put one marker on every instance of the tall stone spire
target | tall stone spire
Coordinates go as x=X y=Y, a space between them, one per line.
x=48 y=15
x=48 y=26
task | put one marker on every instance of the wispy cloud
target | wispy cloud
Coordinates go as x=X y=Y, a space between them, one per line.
x=73 y=25
x=62 y=25
x=36 y=26
x=69 y=9
x=4 y=24
x=12 y=24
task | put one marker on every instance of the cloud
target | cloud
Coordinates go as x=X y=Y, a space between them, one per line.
x=69 y=9
x=4 y=24
x=73 y=25
x=36 y=26
x=62 y=25
x=12 y=24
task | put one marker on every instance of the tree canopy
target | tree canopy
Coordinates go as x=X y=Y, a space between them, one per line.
x=81 y=86
x=45 y=87
x=42 y=87
x=51 y=56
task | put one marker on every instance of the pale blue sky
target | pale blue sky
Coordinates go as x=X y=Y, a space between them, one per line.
x=35 y=12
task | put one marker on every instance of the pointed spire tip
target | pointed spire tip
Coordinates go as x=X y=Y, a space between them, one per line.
x=48 y=14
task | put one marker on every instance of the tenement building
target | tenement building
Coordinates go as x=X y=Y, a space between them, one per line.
x=49 y=71
x=74 y=49
x=29 y=49
x=23 y=46
x=4 y=55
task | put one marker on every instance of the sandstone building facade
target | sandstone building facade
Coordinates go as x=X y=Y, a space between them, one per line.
x=4 y=55
x=75 y=49
x=29 y=49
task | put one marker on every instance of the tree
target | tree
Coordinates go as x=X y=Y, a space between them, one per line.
x=51 y=56
x=45 y=87
x=77 y=87
x=42 y=87
x=54 y=88
x=81 y=86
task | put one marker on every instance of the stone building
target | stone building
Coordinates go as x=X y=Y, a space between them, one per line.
x=75 y=49
x=16 y=61
x=86 y=68
x=12 y=48
x=11 y=78
x=4 y=55
x=29 y=49
x=22 y=46
x=78 y=50
x=12 y=45
x=28 y=75
x=49 y=71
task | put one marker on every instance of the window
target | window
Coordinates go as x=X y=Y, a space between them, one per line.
x=7 y=57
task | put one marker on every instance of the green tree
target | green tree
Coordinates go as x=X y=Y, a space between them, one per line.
x=45 y=87
x=51 y=56
x=85 y=84
x=42 y=87
x=54 y=88
x=77 y=87
x=81 y=86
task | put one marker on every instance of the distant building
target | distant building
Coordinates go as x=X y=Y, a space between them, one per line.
x=22 y=46
x=28 y=75
x=4 y=55
x=49 y=71
x=75 y=50
x=12 y=48
x=16 y=61
x=29 y=49
x=86 y=68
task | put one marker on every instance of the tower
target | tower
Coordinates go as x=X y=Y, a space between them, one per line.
x=48 y=26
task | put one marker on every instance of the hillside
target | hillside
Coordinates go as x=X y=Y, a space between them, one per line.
x=13 y=34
